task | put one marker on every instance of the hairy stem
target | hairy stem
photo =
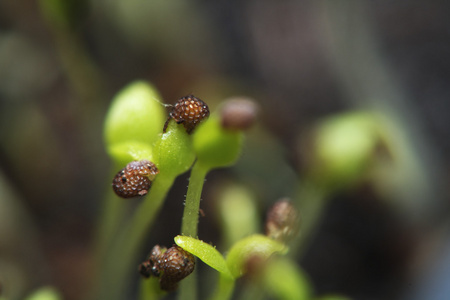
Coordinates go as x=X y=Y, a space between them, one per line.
x=188 y=287
x=191 y=209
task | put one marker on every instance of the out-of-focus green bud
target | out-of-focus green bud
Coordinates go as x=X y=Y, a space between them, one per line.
x=238 y=213
x=133 y=123
x=215 y=146
x=342 y=147
x=45 y=293
x=254 y=247
x=173 y=153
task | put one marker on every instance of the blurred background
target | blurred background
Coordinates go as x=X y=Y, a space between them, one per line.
x=61 y=62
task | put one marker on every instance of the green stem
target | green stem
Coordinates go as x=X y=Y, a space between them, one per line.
x=149 y=289
x=119 y=263
x=254 y=291
x=192 y=206
x=188 y=287
x=225 y=289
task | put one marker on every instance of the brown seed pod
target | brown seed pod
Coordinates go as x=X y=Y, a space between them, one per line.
x=189 y=111
x=176 y=264
x=135 y=179
x=151 y=266
x=282 y=221
x=145 y=269
x=170 y=265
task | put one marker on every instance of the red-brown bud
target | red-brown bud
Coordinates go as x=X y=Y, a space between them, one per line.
x=135 y=179
x=189 y=111
x=282 y=221
x=171 y=266
x=239 y=113
x=176 y=264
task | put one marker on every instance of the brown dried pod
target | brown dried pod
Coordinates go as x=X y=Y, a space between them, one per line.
x=170 y=265
x=283 y=220
x=135 y=179
x=189 y=111
x=238 y=113
x=176 y=264
x=151 y=266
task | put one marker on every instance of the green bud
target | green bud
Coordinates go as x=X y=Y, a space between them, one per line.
x=173 y=152
x=254 y=246
x=215 y=146
x=343 y=147
x=133 y=122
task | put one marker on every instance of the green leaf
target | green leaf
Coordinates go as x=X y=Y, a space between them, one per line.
x=135 y=116
x=45 y=293
x=207 y=253
x=257 y=245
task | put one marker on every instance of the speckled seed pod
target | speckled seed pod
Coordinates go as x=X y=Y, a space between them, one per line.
x=151 y=266
x=135 y=179
x=189 y=111
x=175 y=265
x=282 y=222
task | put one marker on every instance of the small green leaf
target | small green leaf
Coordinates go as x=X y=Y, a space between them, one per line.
x=135 y=116
x=45 y=293
x=207 y=253
x=215 y=146
x=257 y=245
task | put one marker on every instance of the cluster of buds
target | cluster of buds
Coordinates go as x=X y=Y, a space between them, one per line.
x=169 y=265
x=136 y=178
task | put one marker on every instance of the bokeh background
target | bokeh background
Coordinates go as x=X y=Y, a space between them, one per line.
x=61 y=62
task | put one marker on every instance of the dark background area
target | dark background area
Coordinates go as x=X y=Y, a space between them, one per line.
x=300 y=60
